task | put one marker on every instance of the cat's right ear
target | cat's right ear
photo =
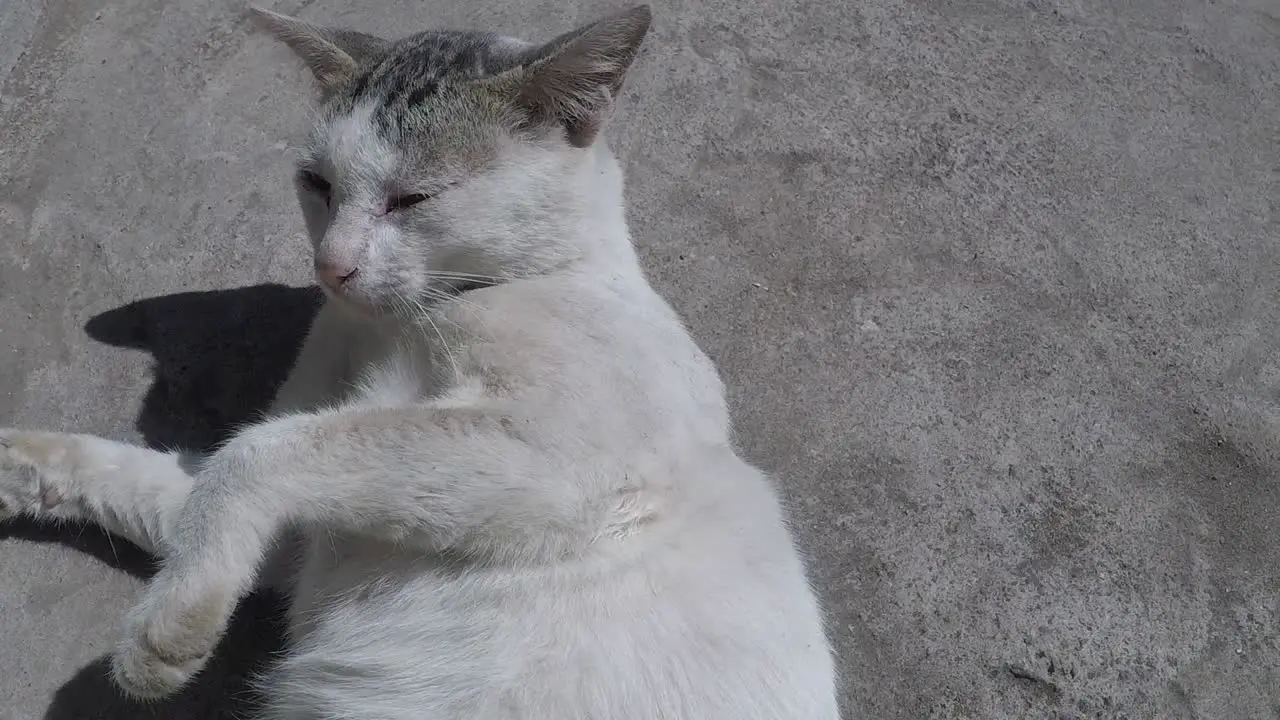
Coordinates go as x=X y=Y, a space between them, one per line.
x=334 y=56
x=574 y=79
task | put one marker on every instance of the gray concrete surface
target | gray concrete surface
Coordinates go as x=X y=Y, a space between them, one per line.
x=994 y=285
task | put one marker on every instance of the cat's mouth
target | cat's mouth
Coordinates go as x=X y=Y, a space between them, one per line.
x=372 y=304
x=357 y=301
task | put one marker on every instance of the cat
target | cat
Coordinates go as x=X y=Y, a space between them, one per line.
x=500 y=481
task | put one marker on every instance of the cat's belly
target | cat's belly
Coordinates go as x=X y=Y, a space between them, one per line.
x=339 y=569
x=382 y=635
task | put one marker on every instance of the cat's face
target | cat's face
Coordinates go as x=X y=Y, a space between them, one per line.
x=411 y=185
x=449 y=159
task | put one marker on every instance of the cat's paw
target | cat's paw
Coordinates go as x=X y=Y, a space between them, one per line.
x=168 y=638
x=31 y=478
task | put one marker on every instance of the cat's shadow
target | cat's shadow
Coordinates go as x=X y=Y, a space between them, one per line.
x=218 y=358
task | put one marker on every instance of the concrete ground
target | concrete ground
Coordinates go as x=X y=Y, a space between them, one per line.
x=993 y=282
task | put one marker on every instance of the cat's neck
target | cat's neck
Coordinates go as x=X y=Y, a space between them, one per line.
x=603 y=232
x=597 y=237
x=582 y=228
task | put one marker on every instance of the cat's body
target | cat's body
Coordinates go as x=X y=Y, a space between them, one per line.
x=515 y=490
x=677 y=574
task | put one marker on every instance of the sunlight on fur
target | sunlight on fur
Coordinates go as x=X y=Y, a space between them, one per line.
x=499 y=482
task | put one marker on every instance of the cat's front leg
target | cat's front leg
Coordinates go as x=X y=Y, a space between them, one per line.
x=32 y=474
x=418 y=474
x=131 y=491
x=219 y=541
x=170 y=635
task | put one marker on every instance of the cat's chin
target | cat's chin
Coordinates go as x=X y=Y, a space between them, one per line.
x=358 y=304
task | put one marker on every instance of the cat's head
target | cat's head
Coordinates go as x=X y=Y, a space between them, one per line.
x=451 y=157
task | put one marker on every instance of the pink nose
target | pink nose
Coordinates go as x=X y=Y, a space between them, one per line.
x=334 y=276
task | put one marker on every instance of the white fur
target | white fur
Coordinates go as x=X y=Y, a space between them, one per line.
x=522 y=502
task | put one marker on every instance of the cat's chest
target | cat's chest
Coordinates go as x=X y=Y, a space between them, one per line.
x=390 y=369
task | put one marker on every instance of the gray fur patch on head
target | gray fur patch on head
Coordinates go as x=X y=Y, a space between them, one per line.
x=414 y=69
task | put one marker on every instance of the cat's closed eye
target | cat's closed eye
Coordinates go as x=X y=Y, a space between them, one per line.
x=404 y=202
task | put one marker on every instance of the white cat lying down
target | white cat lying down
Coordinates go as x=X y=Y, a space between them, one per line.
x=500 y=474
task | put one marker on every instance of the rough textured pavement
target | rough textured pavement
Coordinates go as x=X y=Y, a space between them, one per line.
x=994 y=285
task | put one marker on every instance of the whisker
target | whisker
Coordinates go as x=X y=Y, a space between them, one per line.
x=474 y=277
x=444 y=345
x=476 y=321
x=459 y=273
x=444 y=297
x=419 y=309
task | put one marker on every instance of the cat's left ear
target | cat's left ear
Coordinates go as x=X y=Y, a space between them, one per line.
x=575 y=78
x=333 y=56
